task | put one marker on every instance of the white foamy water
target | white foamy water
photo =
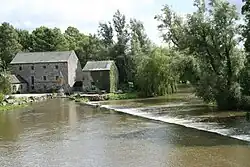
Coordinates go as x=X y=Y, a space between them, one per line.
x=186 y=122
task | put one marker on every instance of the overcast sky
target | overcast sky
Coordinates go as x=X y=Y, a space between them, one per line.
x=86 y=14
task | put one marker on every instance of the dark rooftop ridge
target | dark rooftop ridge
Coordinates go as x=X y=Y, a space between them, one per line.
x=41 y=57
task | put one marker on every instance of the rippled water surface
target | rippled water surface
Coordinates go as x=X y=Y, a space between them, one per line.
x=186 y=110
x=61 y=133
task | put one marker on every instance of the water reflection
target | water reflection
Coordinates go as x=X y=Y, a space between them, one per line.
x=72 y=114
x=63 y=133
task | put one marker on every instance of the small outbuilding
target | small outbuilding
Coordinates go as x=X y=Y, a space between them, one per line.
x=101 y=74
x=18 y=84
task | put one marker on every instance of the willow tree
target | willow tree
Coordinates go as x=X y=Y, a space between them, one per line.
x=157 y=72
x=209 y=36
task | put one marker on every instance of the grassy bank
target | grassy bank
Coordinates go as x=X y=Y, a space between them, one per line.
x=11 y=107
x=184 y=91
x=122 y=96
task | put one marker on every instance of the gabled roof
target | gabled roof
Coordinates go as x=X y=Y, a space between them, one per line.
x=16 y=79
x=41 y=57
x=98 y=65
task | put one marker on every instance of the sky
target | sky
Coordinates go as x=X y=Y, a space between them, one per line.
x=86 y=14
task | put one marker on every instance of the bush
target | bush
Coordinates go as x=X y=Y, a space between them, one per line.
x=245 y=102
x=113 y=96
x=4 y=85
x=1 y=97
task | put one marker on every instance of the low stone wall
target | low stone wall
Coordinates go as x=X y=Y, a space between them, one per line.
x=94 y=97
x=22 y=99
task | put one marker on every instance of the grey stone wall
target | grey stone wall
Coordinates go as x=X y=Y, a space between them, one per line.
x=41 y=85
x=101 y=80
x=21 y=88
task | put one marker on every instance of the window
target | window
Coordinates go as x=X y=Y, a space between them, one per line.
x=32 y=87
x=45 y=87
x=32 y=67
x=20 y=68
x=57 y=77
x=21 y=87
x=56 y=66
x=44 y=78
x=44 y=67
x=14 y=88
x=32 y=80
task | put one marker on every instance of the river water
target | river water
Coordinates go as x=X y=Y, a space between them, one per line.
x=62 y=133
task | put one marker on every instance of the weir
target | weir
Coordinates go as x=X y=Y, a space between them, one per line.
x=196 y=116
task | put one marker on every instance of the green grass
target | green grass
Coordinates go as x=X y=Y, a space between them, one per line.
x=122 y=96
x=11 y=107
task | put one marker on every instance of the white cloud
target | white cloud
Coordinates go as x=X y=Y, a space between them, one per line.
x=83 y=14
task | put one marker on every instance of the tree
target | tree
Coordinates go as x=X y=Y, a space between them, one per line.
x=139 y=46
x=120 y=48
x=156 y=73
x=4 y=84
x=106 y=35
x=139 y=39
x=24 y=38
x=105 y=32
x=46 y=39
x=73 y=37
x=246 y=27
x=9 y=45
x=209 y=35
x=245 y=75
x=89 y=49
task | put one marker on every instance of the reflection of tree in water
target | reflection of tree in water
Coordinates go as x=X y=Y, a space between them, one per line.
x=72 y=114
x=10 y=126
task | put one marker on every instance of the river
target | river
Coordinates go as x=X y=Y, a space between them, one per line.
x=62 y=133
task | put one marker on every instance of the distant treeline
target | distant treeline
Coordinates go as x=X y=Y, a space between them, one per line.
x=203 y=49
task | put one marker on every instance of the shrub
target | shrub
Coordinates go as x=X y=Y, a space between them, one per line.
x=1 y=97
x=113 y=96
x=4 y=85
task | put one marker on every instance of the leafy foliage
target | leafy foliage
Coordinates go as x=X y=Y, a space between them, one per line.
x=9 y=45
x=246 y=26
x=123 y=96
x=157 y=74
x=1 y=97
x=4 y=85
x=209 y=35
x=46 y=39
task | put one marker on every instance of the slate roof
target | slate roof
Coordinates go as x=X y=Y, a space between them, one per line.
x=98 y=65
x=16 y=79
x=41 y=57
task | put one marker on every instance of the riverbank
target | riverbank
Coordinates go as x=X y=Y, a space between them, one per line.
x=103 y=97
x=12 y=107
x=183 y=91
x=15 y=101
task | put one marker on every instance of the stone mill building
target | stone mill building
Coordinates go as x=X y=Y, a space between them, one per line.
x=46 y=71
x=102 y=74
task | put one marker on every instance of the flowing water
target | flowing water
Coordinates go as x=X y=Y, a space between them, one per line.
x=189 y=112
x=62 y=133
